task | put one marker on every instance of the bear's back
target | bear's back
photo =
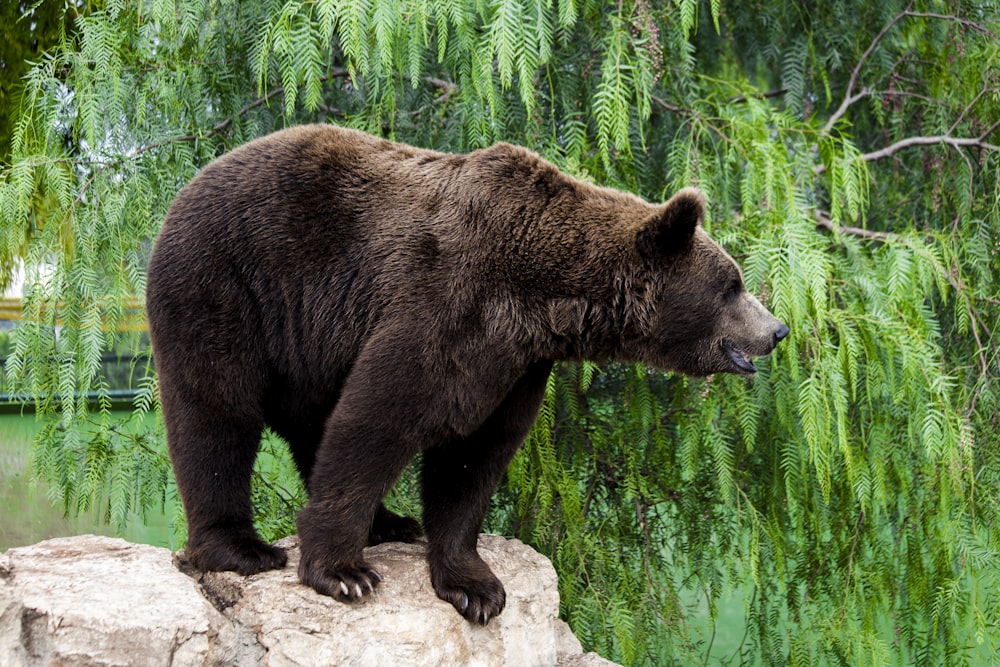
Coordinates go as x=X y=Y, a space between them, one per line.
x=297 y=239
x=309 y=188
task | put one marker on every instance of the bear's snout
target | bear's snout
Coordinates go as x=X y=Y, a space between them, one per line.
x=752 y=332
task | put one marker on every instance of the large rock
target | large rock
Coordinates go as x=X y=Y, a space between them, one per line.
x=99 y=601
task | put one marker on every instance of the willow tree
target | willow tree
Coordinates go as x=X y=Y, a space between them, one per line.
x=846 y=498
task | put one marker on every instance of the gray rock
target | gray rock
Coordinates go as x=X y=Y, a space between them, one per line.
x=99 y=601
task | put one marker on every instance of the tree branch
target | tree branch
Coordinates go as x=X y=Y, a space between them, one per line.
x=824 y=221
x=682 y=111
x=218 y=128
x=739 y=99
x=224 y=124
x=849 y=97
x=447 y=88
x=691 y=113
x=966 y=110
x=957 y=19
x=955 y=142
x=992 y=128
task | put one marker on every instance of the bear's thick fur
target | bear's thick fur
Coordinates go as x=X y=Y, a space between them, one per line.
x=369 y=300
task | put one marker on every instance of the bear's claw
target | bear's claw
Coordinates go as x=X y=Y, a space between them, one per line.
x=346 y=583
x=478 y=601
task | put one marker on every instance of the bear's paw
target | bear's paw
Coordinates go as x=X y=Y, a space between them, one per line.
x=346 y=583
x=236 y=551
x=475 y=592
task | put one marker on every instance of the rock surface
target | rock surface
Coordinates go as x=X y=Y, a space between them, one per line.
x=99 y=601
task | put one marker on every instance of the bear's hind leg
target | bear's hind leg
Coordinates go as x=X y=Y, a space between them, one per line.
x=213 y=459
x=458 y=480
x=388 y=526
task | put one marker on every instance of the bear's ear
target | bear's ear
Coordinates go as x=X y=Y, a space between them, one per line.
x=670 y=229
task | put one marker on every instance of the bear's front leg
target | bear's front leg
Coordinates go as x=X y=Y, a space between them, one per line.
x=458 y=480
x=333 y=530
x=344 y=508
x=369 y=438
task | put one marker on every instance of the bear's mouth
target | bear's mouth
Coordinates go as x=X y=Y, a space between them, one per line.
x=738 y=357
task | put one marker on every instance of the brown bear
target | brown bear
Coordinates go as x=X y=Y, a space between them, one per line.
x=369 y=300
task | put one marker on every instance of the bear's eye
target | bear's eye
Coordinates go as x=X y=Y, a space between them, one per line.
x=733 y=291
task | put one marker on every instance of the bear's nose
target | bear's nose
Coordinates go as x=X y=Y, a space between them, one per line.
x=780 y=334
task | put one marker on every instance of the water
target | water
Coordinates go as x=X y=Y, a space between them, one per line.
x=28 y=516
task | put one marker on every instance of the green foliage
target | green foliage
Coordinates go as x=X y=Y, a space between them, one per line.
x=27 y=30
x=847 y=496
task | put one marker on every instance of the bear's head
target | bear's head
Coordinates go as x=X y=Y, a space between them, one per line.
x=693 y=314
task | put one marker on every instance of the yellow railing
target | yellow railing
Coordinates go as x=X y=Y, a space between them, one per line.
x=12 y=310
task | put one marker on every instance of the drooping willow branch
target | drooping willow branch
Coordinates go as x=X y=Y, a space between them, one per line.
x=825 y=222
x=447 y=87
